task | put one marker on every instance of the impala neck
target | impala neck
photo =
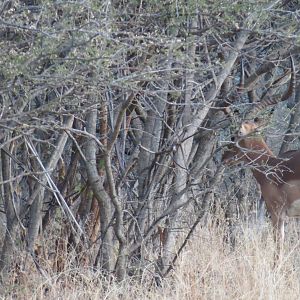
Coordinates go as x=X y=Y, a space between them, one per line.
x=260 y=156
x=258 y=150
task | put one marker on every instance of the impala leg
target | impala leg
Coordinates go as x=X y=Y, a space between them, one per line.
x=280 y=240
x=278 y=231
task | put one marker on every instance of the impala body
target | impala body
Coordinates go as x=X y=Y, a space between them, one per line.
x=279 y=178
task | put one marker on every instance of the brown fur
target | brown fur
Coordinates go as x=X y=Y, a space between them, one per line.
x=278 y=178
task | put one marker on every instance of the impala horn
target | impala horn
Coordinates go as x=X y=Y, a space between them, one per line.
x=272 y=100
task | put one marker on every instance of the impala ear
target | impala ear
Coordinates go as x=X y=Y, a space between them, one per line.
x=258 y=121
x=260 y=124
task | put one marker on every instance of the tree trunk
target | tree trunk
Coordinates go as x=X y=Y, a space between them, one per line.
x=96 y=183
x=8 y=244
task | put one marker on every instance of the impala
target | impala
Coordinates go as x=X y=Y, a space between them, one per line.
x=279 y=178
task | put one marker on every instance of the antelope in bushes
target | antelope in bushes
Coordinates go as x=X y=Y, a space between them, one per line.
x=278 y=177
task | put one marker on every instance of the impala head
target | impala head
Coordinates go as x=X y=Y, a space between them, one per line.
x=249 y=127
x=245 y=141
x=233 y=153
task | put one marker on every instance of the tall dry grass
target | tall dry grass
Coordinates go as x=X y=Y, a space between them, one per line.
x=208 y=268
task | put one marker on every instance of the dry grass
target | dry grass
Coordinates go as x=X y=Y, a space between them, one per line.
x=208 y=269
